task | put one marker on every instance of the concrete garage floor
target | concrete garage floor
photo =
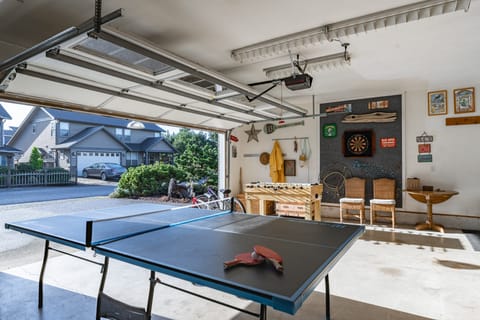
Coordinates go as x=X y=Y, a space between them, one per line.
x=401 y=274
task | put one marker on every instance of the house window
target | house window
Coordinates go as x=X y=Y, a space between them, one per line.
x=127 y=133
x=119 y=133
x=64 y=129
x=157 y=134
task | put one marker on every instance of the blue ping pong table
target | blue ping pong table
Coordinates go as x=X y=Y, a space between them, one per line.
x=192 y=244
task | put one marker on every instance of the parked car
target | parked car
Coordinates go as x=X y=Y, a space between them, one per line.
x=104 y=171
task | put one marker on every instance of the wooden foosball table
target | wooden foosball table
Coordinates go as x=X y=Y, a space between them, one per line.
x=291 y=199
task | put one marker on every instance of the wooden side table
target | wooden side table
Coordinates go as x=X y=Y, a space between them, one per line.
x=430 y=198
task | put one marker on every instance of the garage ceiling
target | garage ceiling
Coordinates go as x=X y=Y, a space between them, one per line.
x=189 y=63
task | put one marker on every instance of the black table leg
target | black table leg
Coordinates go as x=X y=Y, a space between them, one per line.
x=40 y=280
x=327 y=298
x=263 y=312
x=100 y=289
x=153 y=282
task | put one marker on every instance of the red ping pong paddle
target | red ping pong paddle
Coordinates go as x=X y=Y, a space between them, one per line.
x=242 y=258
x=270 y=255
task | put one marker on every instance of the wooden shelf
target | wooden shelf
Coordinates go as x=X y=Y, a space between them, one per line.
x=462 y=120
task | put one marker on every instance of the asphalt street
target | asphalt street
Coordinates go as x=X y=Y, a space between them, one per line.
x=84 y=188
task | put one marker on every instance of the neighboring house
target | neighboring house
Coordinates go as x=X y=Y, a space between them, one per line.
x=75 y=140
x=6 y=153
x=8 y=134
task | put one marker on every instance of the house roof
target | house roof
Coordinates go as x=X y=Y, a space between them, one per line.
x=4 y=114
x=153 y=145
x=71 y=116
x=9 y=150
x=82 y=135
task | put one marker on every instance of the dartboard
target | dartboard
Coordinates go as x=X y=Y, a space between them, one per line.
x=357 y=143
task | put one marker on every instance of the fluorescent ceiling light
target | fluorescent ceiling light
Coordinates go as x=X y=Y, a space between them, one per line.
x=363 y=24
x=312 y=65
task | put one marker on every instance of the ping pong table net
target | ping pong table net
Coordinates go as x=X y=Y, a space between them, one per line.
x=108 y=230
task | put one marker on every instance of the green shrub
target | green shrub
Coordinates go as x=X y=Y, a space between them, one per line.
x=24 y=166
x=147 y=180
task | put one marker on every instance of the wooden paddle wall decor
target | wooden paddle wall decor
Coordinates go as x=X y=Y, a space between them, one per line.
x=462 y=120
x=346 y=154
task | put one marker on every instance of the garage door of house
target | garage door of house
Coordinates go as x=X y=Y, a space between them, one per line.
x=86 y=158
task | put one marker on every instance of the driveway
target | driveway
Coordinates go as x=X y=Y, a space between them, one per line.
x=88 y=196
x=84 y=188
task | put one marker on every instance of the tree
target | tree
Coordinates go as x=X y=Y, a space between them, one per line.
x=197 y=154
x=36 y=160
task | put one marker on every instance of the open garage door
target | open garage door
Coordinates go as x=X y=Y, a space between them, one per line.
x=107 y=72
x=87 y=158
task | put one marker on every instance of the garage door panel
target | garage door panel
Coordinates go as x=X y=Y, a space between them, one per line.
x=87 y=158
x=37 y=87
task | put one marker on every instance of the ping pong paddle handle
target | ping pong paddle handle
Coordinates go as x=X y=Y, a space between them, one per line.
x=242 y=258
x=270 y=255
x=231 y=263
x=278 y=266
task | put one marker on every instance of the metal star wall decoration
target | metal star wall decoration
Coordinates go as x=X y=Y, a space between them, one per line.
x=252 y=134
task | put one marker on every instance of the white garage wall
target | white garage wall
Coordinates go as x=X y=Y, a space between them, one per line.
x=455 y=152
x=248 y=153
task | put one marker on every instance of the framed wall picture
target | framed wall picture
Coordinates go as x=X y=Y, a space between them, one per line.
x=464 y=100
x=437 y=103
x=289 y=167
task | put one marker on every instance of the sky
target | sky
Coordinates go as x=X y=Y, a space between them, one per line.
x=18 y=112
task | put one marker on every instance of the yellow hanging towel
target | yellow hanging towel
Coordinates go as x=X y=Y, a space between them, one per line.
x=276 y=164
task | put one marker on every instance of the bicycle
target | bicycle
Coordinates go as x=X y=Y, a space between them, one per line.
x=212 y=200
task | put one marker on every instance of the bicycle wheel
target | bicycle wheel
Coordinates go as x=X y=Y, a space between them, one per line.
x=238 y=206
x=204 y=202
x=201 y=202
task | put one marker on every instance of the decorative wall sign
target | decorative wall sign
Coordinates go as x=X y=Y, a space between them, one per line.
x=330 y=130
x=464 y=100
x=371 y=117
x=270 y=127
x=340 y=108
x=358 y=143
x=424 y=138
x=388 y=142
x=424 y=158
x=424 y=148
x=382 y=104
x=437 y=103
x=289 y=167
